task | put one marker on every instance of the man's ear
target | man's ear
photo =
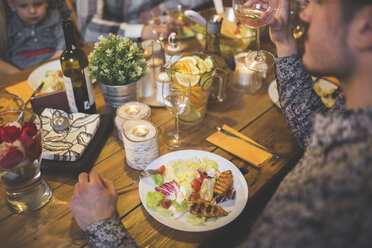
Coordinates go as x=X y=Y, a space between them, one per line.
x=11 y=5
x=362 y=26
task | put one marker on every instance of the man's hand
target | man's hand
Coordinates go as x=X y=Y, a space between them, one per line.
x=94 y=199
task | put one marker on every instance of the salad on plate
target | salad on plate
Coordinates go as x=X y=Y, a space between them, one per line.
x=193 y=188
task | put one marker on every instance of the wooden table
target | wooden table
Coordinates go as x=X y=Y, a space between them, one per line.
x=54 y=225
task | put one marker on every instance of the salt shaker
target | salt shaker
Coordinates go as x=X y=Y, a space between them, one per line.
x=173 y=49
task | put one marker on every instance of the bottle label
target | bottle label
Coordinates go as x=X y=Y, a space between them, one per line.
x=70 y=95
x=88 y=80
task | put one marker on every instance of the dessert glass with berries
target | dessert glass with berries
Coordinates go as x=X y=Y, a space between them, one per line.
x=20 y=157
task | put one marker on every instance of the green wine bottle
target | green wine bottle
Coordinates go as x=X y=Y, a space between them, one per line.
x=74 y=63
x=225 y=63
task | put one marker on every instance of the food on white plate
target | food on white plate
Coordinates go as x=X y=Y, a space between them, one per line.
x=327 y=92
x=203 y=208
x=223 y=183
x=189 y=187
x=53 y=81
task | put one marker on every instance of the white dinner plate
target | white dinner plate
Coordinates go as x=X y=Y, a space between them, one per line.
x=325 y=86
x=273 y=93
x=39 y=73
x=234 y=207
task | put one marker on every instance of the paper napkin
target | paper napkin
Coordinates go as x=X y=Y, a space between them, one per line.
x=238 y=147
x=22 y=89
x=70 y=145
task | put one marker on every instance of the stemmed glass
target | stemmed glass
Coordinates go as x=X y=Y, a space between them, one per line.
x=249 y=13
x=176 y=98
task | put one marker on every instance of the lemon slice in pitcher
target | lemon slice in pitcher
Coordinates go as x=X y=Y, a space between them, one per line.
x=188 y=60
x=203 y=66
x=184 y=79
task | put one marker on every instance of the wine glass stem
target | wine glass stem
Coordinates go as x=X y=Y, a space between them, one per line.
x=177 y=126
x=258 y=46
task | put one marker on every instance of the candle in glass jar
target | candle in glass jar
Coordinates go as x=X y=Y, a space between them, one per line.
x=162 y=83
x=247 y=80
x=140 y=143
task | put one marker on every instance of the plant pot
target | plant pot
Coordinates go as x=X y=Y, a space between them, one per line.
x=116 y=95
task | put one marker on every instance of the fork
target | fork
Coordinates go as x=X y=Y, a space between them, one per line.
x=143 y=174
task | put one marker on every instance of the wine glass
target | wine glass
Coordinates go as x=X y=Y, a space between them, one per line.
x=176 y=99
x=249 y=13
x=20 y=158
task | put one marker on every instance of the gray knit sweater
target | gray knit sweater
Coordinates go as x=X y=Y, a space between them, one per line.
x=326 y=200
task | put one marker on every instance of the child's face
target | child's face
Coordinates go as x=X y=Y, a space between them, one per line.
x=29 y=11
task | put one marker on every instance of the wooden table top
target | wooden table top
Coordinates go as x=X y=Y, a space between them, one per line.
x=54 y=226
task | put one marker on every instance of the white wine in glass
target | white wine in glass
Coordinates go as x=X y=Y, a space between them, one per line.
x=249 y=13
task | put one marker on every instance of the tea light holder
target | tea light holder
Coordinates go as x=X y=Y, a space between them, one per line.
x=140 y=142
x=129 y=111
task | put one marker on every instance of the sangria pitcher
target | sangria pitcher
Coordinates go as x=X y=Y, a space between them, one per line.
x=198 y=71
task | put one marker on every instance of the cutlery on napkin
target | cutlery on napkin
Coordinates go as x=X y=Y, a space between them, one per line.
x=239 y=147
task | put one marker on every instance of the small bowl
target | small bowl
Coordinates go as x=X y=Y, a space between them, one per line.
x=245 y=32
x=10 y=101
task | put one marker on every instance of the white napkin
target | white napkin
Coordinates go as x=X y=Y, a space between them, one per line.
x=70 y=145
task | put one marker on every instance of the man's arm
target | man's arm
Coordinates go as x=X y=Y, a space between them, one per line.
x=94 y=207
x=109 y=232
x=297 y=98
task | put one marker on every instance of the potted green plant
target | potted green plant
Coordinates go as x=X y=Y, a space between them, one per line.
x=117 y=64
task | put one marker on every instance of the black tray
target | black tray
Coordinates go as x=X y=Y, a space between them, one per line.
x=86 y=161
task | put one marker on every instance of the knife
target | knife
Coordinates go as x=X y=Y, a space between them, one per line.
x=38 y=89
x=249 y=142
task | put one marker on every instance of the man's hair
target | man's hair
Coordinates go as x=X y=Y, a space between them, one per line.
x=351 y=7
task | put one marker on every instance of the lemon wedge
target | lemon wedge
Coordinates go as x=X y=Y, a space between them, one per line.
x=188 y=60
x=209 y=62
x=184 y=79
x=203 y=66
x=194 y=69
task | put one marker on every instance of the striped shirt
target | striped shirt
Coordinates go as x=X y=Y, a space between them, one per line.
x=101 y=17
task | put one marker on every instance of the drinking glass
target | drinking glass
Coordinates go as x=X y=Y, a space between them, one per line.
x=20 y=157
x=249 y=13
x=10 y=101
x=176 y=99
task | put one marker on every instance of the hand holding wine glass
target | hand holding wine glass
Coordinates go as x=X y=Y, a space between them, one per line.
x=249 y=13
x=281 y=32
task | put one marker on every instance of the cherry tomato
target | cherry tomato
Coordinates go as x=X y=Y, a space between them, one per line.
x=161 y=169
x=194 y=196
x=166 y=203
x=197 y=185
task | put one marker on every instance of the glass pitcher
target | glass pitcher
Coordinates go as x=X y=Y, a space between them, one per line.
x=199 y=70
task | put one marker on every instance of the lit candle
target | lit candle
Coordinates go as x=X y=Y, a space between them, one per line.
x=132 y=110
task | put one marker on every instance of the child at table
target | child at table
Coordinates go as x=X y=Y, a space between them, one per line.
x=34 y=32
